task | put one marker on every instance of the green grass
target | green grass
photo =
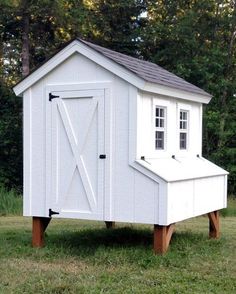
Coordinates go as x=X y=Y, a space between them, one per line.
x=84 y=257
x=10 y=202
x=231 y=207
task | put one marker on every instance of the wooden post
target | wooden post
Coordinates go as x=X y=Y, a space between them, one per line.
x=39 y=226
x=162 y=237
x=110 y=225
x=214 y=224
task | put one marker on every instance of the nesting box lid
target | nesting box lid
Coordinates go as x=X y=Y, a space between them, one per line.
x=179 y=169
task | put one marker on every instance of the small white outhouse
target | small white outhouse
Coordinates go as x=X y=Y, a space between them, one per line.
x=113 y=138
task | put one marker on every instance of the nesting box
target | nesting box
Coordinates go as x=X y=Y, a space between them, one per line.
x=113 y=138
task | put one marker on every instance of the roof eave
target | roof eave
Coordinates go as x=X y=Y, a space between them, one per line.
x=110 y=65
x=176 y=93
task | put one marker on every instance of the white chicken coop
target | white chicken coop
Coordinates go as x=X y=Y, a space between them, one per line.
x=113 y=138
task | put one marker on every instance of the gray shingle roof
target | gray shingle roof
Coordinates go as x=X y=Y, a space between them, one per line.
x=148 y=71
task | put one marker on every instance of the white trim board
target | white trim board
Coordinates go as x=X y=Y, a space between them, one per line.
x=78 y=47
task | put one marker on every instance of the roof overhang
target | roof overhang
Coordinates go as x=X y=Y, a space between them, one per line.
x=176 y=93
x=77 y=46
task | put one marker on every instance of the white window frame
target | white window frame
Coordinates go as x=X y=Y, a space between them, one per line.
x=163 y=103
x=160 y=128
x=183 y=130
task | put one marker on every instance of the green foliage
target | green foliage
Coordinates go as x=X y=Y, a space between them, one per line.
x=46 y=19
x=10 y=139
x=194 y=39
x=10 y=202
x=113 y=24
x=231 y=208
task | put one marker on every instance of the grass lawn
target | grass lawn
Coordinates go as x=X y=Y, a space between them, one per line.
x=84 y=257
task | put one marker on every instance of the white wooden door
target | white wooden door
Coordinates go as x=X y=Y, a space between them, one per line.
x=76 y=144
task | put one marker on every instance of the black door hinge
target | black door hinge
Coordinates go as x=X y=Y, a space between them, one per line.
x=51 y=96
x=51 y=212
x=102 y=156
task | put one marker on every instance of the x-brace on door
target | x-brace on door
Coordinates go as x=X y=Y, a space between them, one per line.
x=76 y=144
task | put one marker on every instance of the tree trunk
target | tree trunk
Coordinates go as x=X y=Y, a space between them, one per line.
x=25 y=38
x=1 y=61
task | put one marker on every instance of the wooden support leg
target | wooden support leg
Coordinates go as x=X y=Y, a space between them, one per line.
x=214 y=224
x=39 y=226
x=162 y=237
x=110 y=225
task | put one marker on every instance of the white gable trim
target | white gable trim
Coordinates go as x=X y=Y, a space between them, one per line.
x=115 y=68
x=72 y=48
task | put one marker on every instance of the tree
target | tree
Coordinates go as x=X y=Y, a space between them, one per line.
x=10 y=139
x=29 y=30
x=34 y=29
x=113 y=24
x=196 y=40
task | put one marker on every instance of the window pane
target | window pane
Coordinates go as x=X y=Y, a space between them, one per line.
x=157 y=122
x=160 y=135
x=161 y=112
x=184 y=115
x=181 y=125
x=181 y=114
x=161 y=123
x=183 y=141
x=182 y=136
x=184 y=125
x=159 y=140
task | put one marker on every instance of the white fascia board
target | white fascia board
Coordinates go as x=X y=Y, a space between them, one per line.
x=77 y=46
x=45 y=68
x=110 y=65
x=176 y=93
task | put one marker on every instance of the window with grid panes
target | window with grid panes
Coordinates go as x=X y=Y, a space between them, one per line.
x=183 y=127
x=160 y=121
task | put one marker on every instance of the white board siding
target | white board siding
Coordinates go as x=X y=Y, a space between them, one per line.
x=133 y=194
x=123 y=175
x=27 y=126
x=37 y=151
x=76 y=69
x=145 y=200
x=180 y=201
x=192 y=198
x=209 y=194
x=146 y=135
